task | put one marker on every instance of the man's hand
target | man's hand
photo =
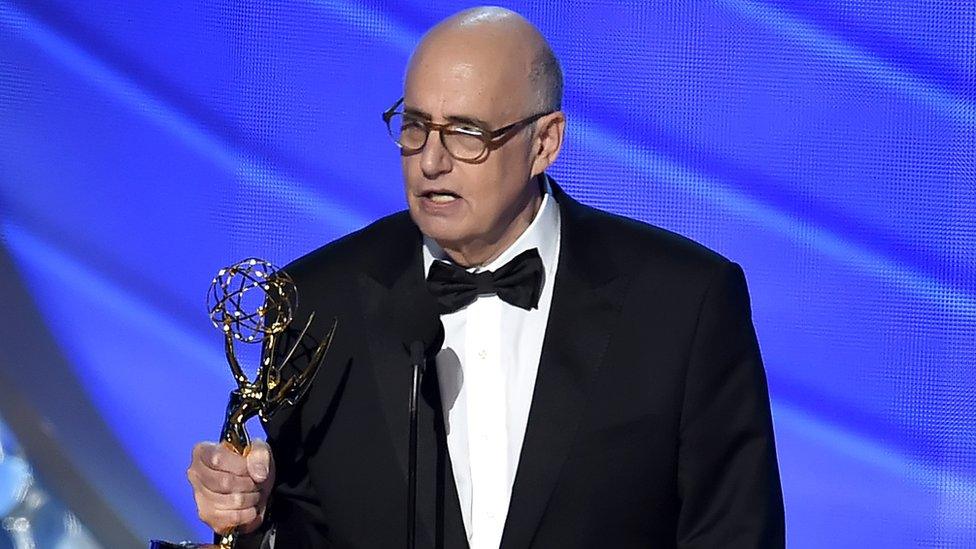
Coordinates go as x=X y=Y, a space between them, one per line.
x=231 y=490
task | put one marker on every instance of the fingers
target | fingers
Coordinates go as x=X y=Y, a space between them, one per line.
x=219 y=457
x=260 y=464
x=252 y=525
x=231 y=502
x=224 y=522
x=226 y=495
x=224 y=512
x=219 y=481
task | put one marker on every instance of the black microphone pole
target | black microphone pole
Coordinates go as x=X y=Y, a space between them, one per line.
x=418 y=358
x=423 y=335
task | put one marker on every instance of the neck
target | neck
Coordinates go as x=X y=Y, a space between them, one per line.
x=483 y=251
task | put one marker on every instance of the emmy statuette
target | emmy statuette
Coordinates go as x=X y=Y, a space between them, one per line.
x=254 y=302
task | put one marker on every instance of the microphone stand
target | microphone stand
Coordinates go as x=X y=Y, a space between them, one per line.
x=419 y=362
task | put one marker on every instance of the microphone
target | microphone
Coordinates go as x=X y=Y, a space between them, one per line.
x=423 y=333
x=426 y=336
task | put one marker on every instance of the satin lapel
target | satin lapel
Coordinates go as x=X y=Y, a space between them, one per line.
x=587 y=297
x=392 y=289
x=391 y=365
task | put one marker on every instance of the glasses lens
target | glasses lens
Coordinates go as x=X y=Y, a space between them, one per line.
x=463 y=145
x=408 y=132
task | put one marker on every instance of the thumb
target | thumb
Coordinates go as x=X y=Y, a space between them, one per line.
x=259 y=461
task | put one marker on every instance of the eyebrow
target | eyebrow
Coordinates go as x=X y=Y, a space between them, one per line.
x=461 y=119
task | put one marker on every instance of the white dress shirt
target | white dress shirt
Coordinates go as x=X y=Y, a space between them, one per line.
x=486 y=370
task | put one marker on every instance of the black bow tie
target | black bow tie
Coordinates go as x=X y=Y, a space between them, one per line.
x=518 y=282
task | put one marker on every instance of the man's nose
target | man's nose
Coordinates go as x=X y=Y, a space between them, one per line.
x=434 y=158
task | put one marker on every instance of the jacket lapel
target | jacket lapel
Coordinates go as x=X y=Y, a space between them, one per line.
x=387 y=291
x=394 y=292
x=587 y=297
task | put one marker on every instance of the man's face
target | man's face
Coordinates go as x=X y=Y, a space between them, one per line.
x=461 y=204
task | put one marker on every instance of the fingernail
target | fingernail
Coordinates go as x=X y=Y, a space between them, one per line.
x=261 y=473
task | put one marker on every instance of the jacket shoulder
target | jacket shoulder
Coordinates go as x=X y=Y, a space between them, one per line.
x=632 y=242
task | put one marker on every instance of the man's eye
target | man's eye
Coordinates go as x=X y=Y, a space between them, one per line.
x=468 y=130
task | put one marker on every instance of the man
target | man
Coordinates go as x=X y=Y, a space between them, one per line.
x=599 y=385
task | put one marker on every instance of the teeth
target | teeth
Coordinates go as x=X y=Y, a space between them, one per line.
x=442 y=198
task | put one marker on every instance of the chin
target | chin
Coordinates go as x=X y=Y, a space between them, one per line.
x=431 y=226
x=443 y=233
x=438 y=228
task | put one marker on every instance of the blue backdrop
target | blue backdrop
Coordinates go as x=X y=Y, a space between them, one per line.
x=829 y=147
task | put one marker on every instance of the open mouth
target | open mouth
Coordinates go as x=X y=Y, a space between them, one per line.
x=440 y=196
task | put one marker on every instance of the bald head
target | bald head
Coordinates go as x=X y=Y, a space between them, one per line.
x=502 y=45
x=487 y=82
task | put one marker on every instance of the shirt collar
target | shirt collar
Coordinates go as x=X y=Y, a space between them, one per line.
x=542 y=233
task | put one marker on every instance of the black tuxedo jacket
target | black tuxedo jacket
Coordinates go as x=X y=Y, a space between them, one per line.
x=649 y=426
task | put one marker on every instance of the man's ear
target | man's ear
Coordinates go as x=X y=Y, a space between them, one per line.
x=548 y=141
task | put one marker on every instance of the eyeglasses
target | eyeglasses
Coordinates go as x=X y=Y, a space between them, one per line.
x=465 y=141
